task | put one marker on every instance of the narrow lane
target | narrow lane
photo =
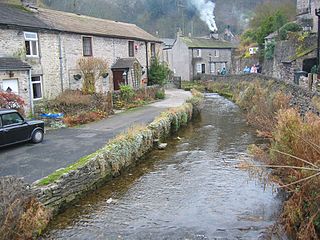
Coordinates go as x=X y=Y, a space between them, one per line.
x=193 y=190
x=63 y=147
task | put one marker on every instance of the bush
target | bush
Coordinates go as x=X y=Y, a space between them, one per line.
x=160 y=95
x=126 y=93
x=83 y=118
x=269 y=50
x=289 y=27
x=158 y=73
x=12 y=101
x=71 y=102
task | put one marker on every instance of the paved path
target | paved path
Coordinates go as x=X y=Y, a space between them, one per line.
x=63 y=147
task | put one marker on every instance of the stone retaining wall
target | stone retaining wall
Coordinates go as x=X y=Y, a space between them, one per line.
x=108 y=162
x=300 y=97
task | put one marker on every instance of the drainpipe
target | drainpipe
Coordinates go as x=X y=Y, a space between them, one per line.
x=147 y=60
x=30 y=93
x=61 y=62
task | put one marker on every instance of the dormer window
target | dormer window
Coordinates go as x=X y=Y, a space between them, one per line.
x=31 y=44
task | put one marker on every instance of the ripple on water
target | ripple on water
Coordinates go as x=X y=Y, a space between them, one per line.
x=193 y=190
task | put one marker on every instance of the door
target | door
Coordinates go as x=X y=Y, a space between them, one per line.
x=118 y=79
x=14 y=129
x=203 y=68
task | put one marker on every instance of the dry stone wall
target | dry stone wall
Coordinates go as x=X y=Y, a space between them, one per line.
x=109 y=161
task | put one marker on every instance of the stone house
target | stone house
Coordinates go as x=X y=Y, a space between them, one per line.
x=52 y=42
x=306 y=14
x=193 y=57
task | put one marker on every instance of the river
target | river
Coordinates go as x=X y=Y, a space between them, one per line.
x=192 y=190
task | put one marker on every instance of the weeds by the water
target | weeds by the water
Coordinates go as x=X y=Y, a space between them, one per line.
x=293 y=153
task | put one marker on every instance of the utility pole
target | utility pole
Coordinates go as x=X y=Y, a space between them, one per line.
x=181 y=8
x=317 y=11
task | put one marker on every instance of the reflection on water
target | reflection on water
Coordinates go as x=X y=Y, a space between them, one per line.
x=193 y=190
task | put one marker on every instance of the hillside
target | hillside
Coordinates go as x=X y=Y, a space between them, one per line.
x=162 y=17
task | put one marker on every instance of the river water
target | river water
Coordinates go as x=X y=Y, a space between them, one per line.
x=192 y=190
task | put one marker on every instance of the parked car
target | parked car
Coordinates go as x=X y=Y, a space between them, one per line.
x=15 y=129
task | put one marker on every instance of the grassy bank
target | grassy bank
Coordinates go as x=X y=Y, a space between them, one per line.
x=293 y=153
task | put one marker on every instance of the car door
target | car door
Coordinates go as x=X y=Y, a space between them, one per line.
x=14 y=128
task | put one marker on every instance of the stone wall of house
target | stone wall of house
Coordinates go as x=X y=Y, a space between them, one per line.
x=181 y=64
x=110 y=160
x=286 y=60
x=209 y=56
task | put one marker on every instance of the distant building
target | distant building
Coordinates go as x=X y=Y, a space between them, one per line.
x=200 y=56
x=306 y=14
x=45 y=45
x=167 y=55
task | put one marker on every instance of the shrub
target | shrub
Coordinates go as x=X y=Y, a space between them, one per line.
x=269 y=50
x=126 y=93
x=289 y=27
x=92 y=69
x=12 y=101
x=158 y=73
x=160 y=95
x=83 y=118
x=71 y=102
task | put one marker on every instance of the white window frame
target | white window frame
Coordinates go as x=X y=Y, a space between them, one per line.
x=198 y=52
x=199 y=68
x=41 y=87
x=15 y=79
x=212 y=67
x=91 y=46
x=30 y=40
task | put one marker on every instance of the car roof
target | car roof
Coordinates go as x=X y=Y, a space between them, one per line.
x=4 y=110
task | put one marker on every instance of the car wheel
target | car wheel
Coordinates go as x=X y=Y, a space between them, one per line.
x=37 y=136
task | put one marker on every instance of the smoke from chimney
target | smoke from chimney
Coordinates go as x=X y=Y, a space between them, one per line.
x=206 y=11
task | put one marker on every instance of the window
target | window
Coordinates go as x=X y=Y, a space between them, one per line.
x=212 y=68
x=87 y=46
x=198 y=52
x=203 y=68
x=131 y=48
x=11 y=118
x=216 y=53
x=10 y=85
x=198 y=68
x=31 y=44
x=153 y=50
x=36 y=87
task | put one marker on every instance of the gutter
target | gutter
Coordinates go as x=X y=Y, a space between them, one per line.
x=147 y=60
x=61 y=62
x=30 y=93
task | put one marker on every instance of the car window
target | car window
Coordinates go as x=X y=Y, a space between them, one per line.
x=11 y=118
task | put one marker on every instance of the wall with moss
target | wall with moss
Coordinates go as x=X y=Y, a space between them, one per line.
x=65 y=185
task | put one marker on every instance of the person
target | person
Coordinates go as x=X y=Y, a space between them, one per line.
x=259 y=70
x=253 y=69
x=223 y=71
x=246 y=70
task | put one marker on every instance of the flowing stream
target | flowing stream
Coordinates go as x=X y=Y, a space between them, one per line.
x=192 y=190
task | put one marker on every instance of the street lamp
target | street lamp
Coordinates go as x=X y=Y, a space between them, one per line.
x=317 y=11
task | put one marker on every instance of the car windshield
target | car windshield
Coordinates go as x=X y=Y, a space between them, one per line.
x=11 y=118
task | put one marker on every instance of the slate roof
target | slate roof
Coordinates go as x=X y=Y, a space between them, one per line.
x=72 y=23
x=206 y=43
x=13 y=64
x=168 y=42
x=123 y=63
x=19 y=16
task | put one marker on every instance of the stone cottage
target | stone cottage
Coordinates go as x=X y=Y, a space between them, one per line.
x=52 y=42
x=193 y=57
x=306 y=14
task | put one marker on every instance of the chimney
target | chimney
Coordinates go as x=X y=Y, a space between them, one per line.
x=214 y=35
x=30 y=3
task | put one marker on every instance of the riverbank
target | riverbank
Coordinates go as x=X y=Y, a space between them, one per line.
x=63 y=187
x=289 y=118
